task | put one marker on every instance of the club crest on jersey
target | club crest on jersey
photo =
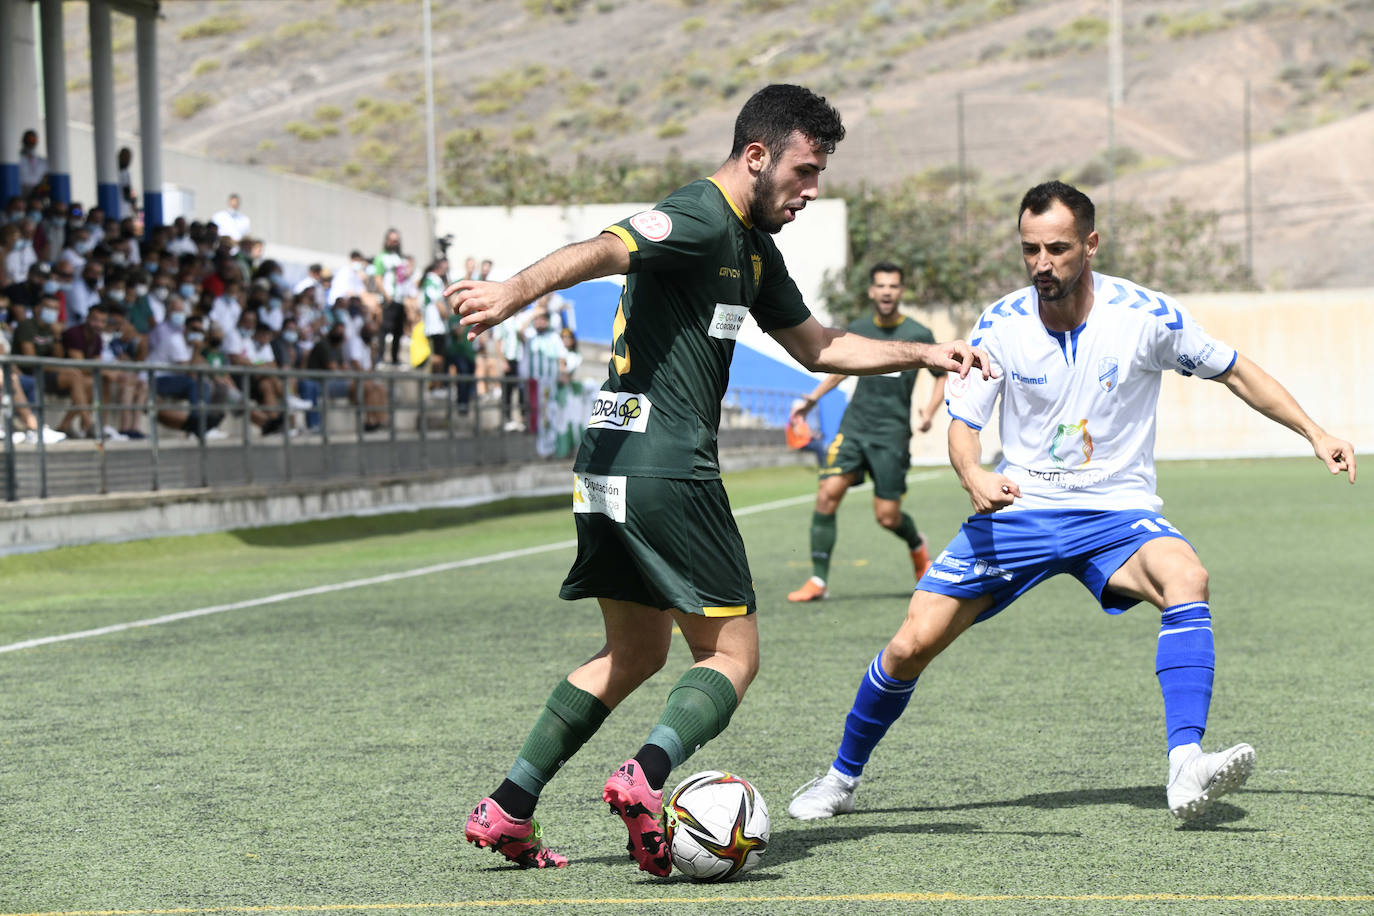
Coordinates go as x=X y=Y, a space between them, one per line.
x=1107 y=372
x=654 y=225
x=758 y=269
x=626 y=411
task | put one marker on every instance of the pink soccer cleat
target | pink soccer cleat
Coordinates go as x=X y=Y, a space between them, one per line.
x=521 y=841
x=641 y=808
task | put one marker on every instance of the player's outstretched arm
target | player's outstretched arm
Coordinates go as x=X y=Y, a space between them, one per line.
x=483 y=304
x=1263 y=392
x=937 y=399
x=987 y=490
x=826 y=386
x=822 y=349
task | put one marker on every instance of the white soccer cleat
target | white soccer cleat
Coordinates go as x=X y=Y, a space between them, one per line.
x=824 y=796
x=1197 y=779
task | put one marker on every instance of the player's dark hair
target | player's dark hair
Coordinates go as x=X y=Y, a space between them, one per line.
x=886 y=267
x=1039 y=198
x=774 y=112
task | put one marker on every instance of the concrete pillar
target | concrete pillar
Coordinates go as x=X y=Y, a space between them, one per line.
x=103 y=108
x=149 y=123
x=55 y=102
x=10 y=131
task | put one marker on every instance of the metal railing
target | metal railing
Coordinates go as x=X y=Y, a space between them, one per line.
x=422 y=422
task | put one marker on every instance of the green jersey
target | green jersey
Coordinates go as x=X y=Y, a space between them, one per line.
x=697 y=266
x=881 y=405
x=384 y=267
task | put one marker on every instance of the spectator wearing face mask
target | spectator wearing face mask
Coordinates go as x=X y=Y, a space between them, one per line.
x=350 y=281
x=41 y=336
x=86 y=291
x=39 y=282
x=90 y=341
x=21 y=255
x=9 y=238
x=180 y=341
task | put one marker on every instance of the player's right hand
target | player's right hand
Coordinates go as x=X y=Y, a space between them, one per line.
x=990 y=492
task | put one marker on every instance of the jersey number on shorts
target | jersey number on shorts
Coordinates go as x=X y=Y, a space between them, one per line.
x=1158 y=525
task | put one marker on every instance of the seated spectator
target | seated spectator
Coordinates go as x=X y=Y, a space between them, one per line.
x=254 y=348
x=41 y=336
x=91 y=340
x=26 y=428
x=328 y=356
x=177 y=342
x=124 y=344
x=38 y=282
x=85 y=292
x=9 y=240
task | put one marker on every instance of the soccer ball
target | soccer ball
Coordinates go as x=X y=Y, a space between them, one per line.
x=718 y=826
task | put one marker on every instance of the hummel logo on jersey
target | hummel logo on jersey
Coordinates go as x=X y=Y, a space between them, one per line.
x=1029 y=379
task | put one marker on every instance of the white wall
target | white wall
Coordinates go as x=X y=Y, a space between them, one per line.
x=516 y=237
x=319 y=220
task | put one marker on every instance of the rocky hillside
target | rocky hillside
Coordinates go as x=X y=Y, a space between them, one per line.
x=334 y=89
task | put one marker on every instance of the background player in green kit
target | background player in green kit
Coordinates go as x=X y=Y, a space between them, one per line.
x=874 y=436
x=657 y=544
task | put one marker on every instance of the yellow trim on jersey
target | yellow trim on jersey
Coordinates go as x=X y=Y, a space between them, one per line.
x=878 y=320
x=624 y=235
x=742 y=218
x=738 y=610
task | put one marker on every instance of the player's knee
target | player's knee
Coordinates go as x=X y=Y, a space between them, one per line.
x=1193 y=580
x=889 y=519
x=637 y=667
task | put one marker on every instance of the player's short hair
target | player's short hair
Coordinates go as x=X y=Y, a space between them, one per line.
x=886 y=267
x=774 y=112
x=1039 y=198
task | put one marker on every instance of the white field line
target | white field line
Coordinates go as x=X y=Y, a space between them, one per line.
x=376 y=580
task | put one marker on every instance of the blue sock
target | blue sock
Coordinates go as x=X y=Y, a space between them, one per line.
x=1184 y=663
x=879 y=703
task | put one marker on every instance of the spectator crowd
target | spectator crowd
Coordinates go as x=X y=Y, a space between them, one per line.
x=82 y=284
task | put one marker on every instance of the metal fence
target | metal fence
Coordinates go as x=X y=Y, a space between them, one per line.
x=420 y=423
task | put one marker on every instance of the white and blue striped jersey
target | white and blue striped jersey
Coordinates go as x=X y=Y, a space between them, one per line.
x=1077 y=415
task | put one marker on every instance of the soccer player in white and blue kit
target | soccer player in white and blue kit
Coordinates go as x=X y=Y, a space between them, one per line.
x=1080 y=356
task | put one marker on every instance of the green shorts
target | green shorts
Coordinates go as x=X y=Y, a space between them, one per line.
x=661 y=542
x=886 y=460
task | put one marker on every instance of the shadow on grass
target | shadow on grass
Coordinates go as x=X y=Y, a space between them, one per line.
x=331 y=531
x=790 y=845
x=1146 y=798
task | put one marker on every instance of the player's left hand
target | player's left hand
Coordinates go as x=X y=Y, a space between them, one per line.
x=958 y=356
x=926 y=422
x=1337 y=454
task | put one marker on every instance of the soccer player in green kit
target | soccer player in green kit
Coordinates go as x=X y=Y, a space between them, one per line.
x=657 y=544
x=874 y=436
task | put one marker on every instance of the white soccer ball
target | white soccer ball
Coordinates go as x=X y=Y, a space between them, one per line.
x=718 y=826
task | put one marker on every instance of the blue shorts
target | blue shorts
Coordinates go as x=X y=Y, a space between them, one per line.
x=1005 y=554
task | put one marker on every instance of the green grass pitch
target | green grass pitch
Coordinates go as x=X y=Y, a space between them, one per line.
x=320 y=754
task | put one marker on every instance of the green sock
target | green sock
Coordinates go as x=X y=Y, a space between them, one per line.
x=907 y=532
x=699 y=708
x=570 y=717
x=822 y=543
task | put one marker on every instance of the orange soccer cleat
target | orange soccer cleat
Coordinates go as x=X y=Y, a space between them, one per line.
x=812 y=589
